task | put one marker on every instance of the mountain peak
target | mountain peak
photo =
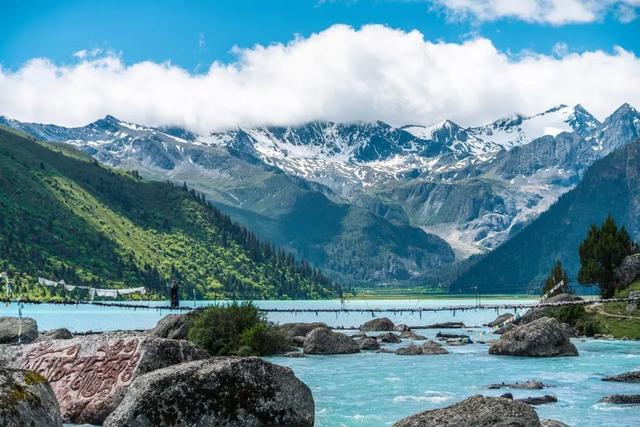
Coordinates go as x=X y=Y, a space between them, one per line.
x=621 y=112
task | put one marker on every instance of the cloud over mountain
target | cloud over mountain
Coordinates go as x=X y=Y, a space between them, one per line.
x=340 y=74
x=553 y=12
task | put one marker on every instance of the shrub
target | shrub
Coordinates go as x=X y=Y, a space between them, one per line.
x=262 y=340
x=235 y=329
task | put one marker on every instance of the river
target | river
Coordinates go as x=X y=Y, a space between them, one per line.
x=370 y=389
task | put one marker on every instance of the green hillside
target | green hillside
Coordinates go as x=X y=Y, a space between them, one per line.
x=63 y=216
x=611 y=186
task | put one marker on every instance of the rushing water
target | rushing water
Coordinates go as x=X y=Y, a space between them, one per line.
x=370 y=389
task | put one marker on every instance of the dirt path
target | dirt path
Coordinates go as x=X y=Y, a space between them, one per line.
x=620 y=316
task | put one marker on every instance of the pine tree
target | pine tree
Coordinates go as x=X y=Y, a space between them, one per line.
x=601 y=252
x=556 y=275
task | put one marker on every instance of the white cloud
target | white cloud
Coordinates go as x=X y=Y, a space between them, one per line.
x=554 y=12
x=341 y=74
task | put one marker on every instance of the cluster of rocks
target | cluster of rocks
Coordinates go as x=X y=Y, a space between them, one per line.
x=143 y=379
x=319 y=339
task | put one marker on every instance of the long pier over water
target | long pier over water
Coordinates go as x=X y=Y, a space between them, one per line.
x=345 y=309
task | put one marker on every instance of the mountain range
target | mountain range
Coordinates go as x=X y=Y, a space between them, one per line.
x=371 y=202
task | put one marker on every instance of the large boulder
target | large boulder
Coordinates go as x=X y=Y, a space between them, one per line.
x=627 y=377
x=26 y=399
x=477 y=411
x=540 y=312
x=544 y=337
x=500 y=320
x=55 y=334
x=506 y=328
x=382 y=324
x=291 y=330
x=222 y=391
x=172 y=326
x=90 y=374
x=325 y=341
x=13 y=327
x=627 y=271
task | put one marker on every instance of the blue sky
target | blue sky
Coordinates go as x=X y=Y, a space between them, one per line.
x=213 y=65
x=195 y=33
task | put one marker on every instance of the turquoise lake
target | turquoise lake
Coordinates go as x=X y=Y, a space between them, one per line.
x=370 y=389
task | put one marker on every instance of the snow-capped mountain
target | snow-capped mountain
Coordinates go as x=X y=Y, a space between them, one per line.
x=472 y=186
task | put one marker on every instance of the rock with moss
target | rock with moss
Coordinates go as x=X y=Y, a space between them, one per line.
x=71 y=365
x=325 y=341
x=13 y=329
x=477 y=411
x=544 y=337
x=26 y=399
x=220 y=391
x=627 y=271
x=381 y=324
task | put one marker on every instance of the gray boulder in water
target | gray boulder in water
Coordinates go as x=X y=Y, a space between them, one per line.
x=627 y=377
x=12 y=327
x=325 y=341
x=368 y=344
x=226 y=391
x=426 y=349
x=291 y=330
x=622 y=399
x=26 y=399
x=90 y=374
x=544 y=337
x=381 y=324
x=390 y=338
x=477 y=411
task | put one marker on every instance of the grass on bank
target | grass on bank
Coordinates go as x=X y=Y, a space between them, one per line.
x=608 y=319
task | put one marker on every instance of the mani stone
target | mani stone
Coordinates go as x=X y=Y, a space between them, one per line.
x=477 y=411
x=382 y=324
x=12 y=327
x=544 y=337
x=324 y=341
x=26 y=399
x=90 y=374
x=221 y=391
